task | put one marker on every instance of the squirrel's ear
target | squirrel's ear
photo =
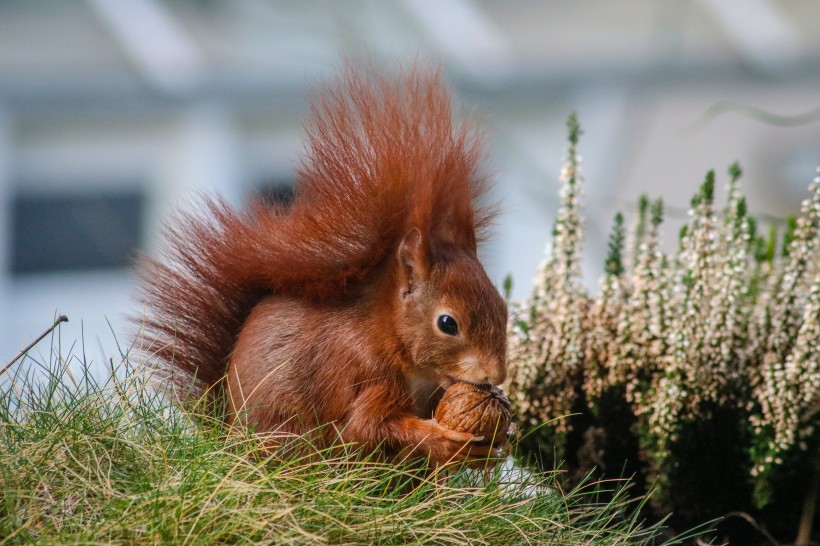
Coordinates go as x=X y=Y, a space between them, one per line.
x=412 y=259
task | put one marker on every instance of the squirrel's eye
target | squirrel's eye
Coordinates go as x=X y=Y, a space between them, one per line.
x=448 y=325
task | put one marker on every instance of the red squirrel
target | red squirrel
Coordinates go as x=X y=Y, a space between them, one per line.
x=352 y=308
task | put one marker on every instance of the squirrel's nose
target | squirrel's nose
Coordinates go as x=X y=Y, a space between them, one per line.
x=483 y=370
x=496 y=372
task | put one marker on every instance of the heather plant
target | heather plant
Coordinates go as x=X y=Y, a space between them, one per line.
x=549 y=353
x=696 y=370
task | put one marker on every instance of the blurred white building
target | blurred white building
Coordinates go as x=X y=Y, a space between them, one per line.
x=115 y=112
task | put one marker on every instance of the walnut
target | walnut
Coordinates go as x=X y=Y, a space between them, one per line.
x=481 y=410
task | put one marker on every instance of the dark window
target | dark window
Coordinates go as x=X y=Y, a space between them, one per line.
x=276 y=191
x=75 y=231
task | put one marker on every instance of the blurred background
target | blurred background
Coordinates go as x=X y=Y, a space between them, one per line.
x=113 y=113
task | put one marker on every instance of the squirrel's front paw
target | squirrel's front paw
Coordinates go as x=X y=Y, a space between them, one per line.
x=450 y=446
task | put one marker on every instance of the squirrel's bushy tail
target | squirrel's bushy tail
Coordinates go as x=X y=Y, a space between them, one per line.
x=383 y=156
x=194 y=307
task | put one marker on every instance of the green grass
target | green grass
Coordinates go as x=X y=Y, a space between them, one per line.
x=84 y=461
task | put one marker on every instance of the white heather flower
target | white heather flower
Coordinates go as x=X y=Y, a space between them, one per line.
x=546 y=362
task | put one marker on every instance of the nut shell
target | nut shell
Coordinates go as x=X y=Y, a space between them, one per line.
x=481 y=410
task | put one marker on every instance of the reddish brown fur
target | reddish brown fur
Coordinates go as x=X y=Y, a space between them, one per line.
x=326 y=312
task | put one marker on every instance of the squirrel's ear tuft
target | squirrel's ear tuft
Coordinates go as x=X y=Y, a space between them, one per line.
x=412 y=259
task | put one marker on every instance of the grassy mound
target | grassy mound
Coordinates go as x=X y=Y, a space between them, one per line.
x=90 y=461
